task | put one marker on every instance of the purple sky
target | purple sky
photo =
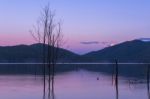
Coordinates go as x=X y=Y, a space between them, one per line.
x=87 y=24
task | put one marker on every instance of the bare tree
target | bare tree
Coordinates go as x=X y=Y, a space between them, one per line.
x=48 y=32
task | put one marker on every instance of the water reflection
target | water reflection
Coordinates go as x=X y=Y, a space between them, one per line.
x=148 y=90
x=80 y=84
x=116 y=79
x=48 y=87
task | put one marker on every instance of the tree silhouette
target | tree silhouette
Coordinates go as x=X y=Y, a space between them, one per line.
x=48 y=32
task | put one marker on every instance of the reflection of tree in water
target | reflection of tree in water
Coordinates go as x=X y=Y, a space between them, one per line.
x=48 y=92
x=148 y=90
x=115 y=78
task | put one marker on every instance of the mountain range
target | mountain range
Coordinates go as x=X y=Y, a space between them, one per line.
x=30 y=53
x=129 y=51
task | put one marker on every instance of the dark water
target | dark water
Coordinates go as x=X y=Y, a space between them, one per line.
x=76 y=82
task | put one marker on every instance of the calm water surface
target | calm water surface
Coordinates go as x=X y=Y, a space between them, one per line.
x=80 y=84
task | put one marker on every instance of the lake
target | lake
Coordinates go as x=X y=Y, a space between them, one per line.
x=77 y=83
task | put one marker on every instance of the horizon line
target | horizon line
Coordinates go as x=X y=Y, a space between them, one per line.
x=84 y=63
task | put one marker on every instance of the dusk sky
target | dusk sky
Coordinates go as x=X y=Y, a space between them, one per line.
x=88 y=25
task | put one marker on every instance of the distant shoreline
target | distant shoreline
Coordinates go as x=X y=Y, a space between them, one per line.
x=124 y=63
